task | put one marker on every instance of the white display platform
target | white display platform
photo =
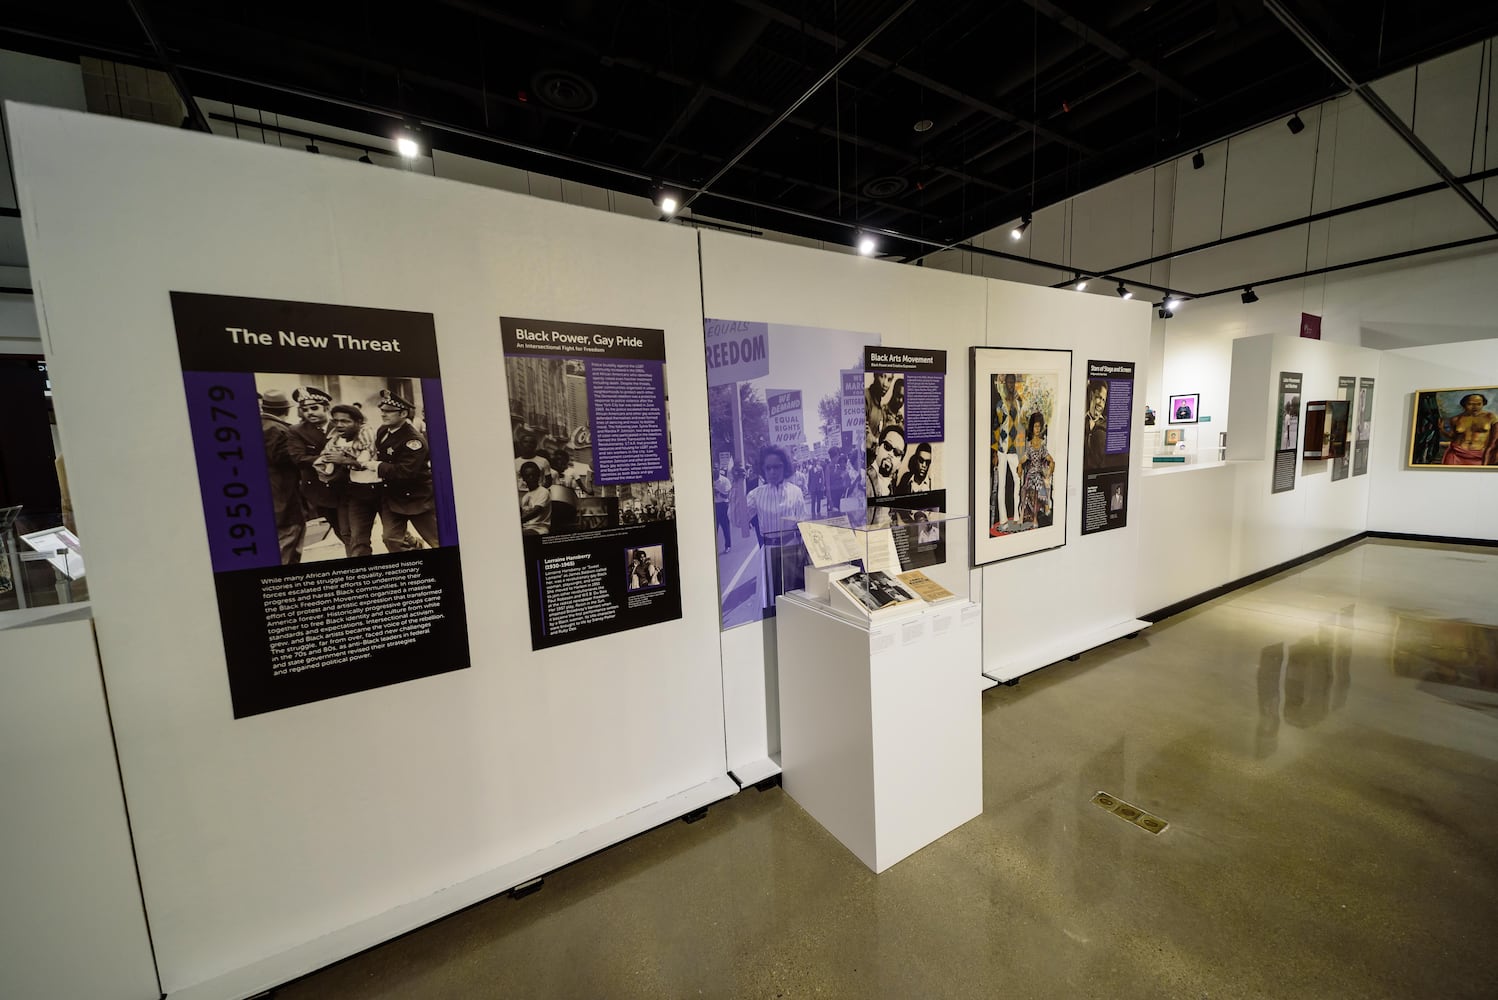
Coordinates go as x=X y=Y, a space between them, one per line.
x=72 y=924
x=1061 y=647
x=752 y=772
x=881 y=729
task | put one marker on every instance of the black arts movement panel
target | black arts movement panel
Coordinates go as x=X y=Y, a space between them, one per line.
x=321 y=446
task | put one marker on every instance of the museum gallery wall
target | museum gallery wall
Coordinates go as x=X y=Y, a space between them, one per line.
x=418 y=795
x=1086 y=574
x=410 y=799
x=824 y=296
x=1410 y=497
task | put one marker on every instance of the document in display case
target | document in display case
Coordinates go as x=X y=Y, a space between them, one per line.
x=886 y=562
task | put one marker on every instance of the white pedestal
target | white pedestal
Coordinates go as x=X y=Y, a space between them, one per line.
x=881 y=729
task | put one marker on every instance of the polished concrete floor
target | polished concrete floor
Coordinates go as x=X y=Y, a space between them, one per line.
x=1324 y=746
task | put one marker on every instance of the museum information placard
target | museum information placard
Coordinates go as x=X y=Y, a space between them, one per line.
x=1108 y=423
x=593 y=474
x=321 y=445
x=1287 y=433
x=905 y=429
x=1342 y=463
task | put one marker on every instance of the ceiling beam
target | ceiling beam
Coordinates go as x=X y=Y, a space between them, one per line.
x=920 y=79
x=821 y=81
x=1379 y=107
x=904 y=155
x=1304 y=220
x=1102 y=42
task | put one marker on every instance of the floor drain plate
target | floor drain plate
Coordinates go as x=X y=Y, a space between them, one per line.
x=1132 y=813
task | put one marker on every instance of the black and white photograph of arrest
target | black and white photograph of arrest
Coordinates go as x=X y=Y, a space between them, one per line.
x=349 y=465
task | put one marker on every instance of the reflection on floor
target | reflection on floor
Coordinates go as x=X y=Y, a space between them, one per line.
x=1323 y=746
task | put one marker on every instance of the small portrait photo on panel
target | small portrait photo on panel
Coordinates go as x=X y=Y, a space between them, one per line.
x=643 y=566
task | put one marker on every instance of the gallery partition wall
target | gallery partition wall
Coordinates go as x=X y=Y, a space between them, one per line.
x=273 y=844
x=582 y=669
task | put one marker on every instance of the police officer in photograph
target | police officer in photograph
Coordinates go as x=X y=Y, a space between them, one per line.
x=286 y=497
x=405 y=467
x=308 y=438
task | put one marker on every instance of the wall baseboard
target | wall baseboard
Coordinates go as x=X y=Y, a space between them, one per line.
x=1263 y=574
x=1437 y=539
x=1244 y=581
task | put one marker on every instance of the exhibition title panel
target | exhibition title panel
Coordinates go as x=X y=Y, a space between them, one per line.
x=311 y=425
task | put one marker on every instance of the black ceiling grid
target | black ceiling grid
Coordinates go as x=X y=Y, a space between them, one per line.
x=622 y=95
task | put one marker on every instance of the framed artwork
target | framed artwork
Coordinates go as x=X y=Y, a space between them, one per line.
x=1173 y=437
x=1183 y=408
x=1021 y=433
x=1454 y=429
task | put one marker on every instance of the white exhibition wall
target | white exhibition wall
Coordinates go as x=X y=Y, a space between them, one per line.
x=1203 y=527
x=1453 y=504
x=1081 y=589
x=273 y=845
x=906 y=307
x=927 y=308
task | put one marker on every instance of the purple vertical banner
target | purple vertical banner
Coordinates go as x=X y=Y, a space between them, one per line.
x=435 y=415
x=223 y=411
x=1120 y=415
x=627 y=412
x=925 y=406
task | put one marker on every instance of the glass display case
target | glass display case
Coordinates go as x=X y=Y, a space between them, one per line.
x=886 y=562
x=41 y=561
x=1188 y=444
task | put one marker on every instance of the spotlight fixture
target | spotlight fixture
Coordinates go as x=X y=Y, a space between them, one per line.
x=1295 y=125
x=1123 y=292
x=1165 y=313
x=666 y=199
x=1019 y=230
x=365 y=158
x=1172 y=303
x=866 y=244
x=1081 y=284
x=1249 y=298
x=924 y=125
x=312 y=148
x=406 y=144
x=1198 y=160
